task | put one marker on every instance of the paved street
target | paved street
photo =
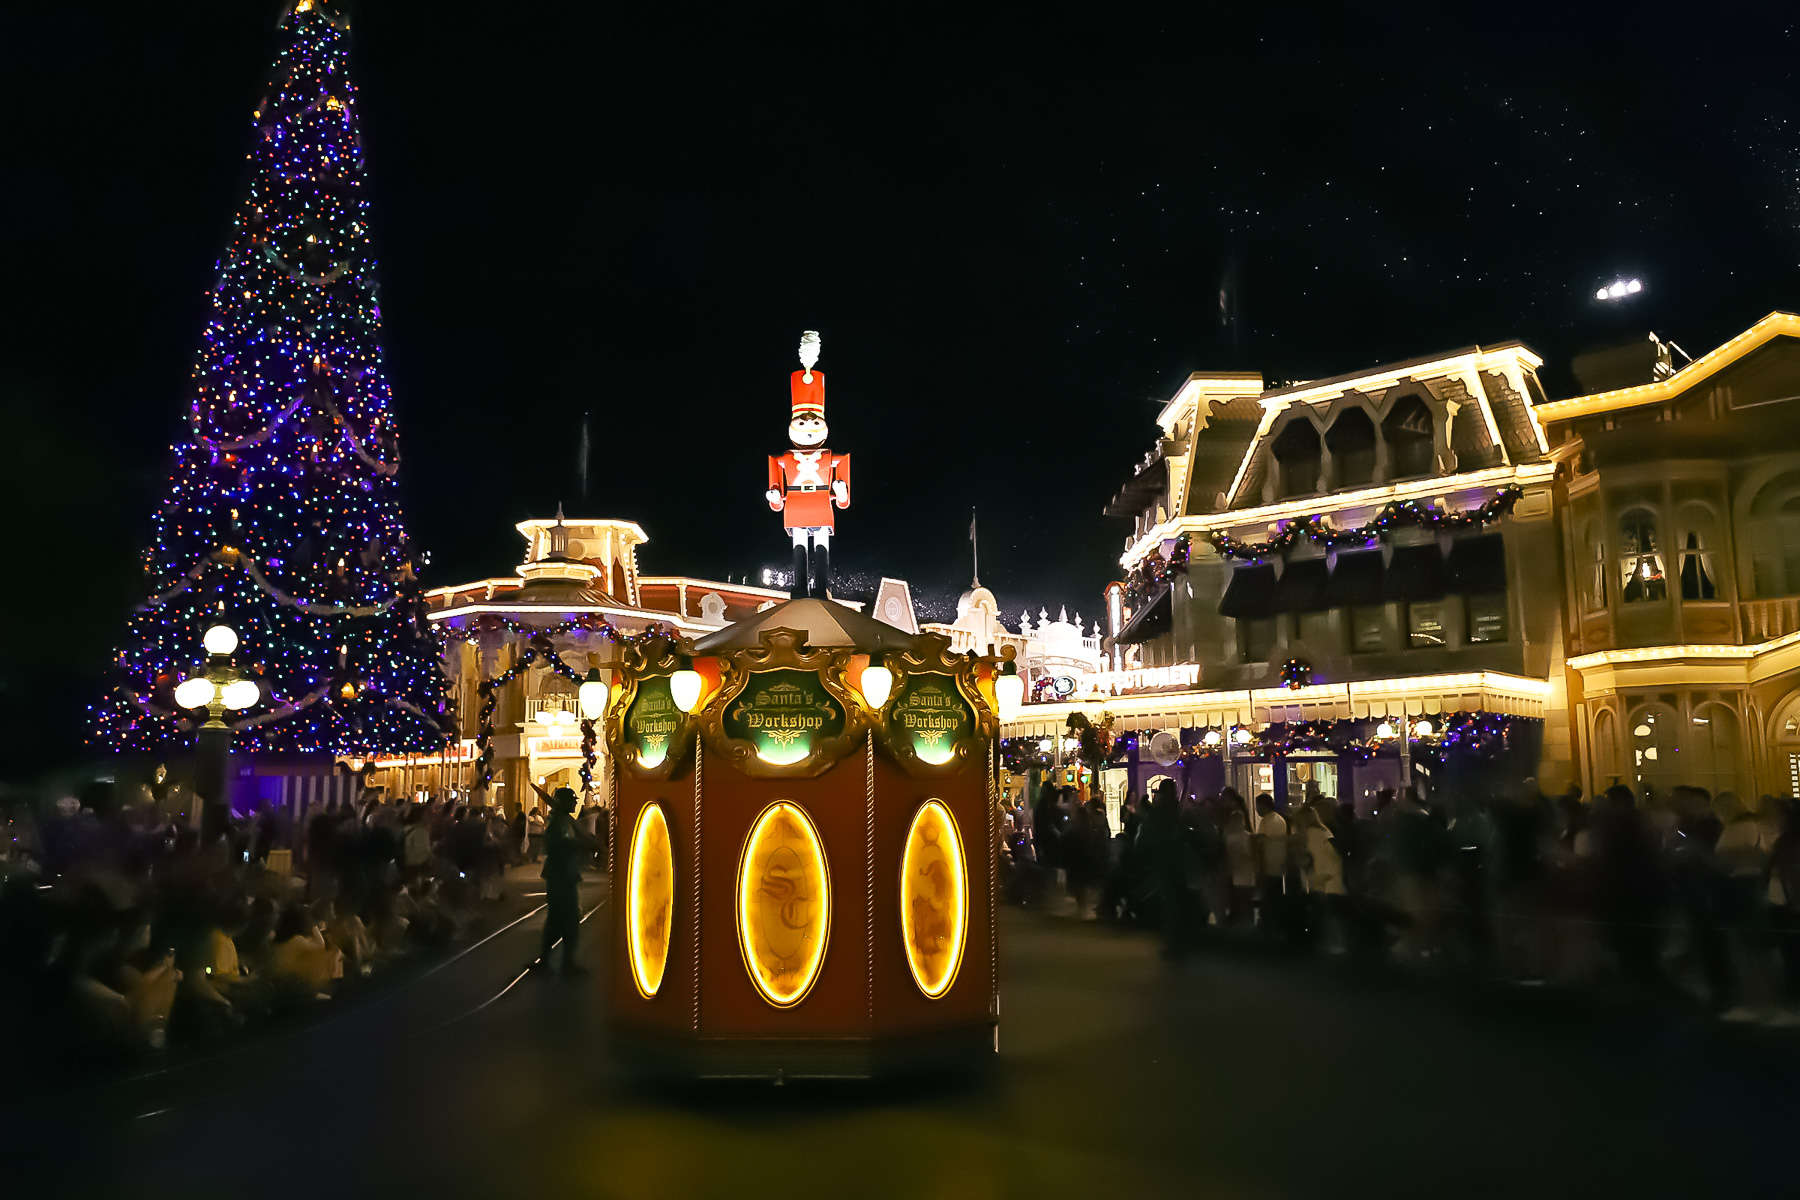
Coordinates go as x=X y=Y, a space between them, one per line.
x=1229 y=1075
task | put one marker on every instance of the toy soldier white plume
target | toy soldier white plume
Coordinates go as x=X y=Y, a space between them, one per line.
x=809 y=351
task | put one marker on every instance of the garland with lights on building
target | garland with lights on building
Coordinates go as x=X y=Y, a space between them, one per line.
x=489 y=691
x=282 y=516
x=1465 y=734
x=1155 y=571
x=1398 y=514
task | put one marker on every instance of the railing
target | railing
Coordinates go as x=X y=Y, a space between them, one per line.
x=1771 y=618
x=553 y=704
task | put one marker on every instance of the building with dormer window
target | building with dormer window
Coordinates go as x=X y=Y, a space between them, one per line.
x=1326 y=582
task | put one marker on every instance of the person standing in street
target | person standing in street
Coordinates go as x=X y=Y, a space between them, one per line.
x=565 y=849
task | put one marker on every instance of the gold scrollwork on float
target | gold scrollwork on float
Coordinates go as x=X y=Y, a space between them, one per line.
x=783 y=904
x=648 y=734
x=930 y=658
x=785 y=753
x=650 y=899
x=934 y=899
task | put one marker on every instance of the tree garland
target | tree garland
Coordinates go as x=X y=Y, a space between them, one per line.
x=1396 y=514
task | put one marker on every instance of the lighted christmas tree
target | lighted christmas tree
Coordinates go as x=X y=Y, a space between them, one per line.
x=282 y=516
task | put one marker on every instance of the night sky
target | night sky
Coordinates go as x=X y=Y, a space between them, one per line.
x=1016 y=235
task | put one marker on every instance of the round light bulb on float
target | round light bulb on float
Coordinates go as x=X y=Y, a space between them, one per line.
x=194 y=693
x=876 y=685
x=685 y=685
x=240 y=693
x=1009 y=690
x=1213 y=737
x=592 y=695
x=1422 y=728
x=220 y=639
x=1384 y=730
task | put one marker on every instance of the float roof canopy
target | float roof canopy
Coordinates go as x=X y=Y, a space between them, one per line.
x=826 y=626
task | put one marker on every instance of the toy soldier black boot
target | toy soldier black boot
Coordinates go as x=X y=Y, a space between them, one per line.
x=799 y=587
x=822 y=582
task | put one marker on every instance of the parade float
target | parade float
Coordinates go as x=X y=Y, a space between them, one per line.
x=803 y=831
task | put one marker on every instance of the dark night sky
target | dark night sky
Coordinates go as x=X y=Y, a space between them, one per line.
x=1011 y=231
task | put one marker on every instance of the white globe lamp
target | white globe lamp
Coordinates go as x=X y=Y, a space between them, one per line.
x=877 y=684
x=194 y=693
x=685 y=685
x=592 y=695
x=240 y=693
x=220 y=639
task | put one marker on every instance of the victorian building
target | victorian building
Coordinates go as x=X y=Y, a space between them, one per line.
x=1327 y=582
x=1680 y=533
x=1361 y=581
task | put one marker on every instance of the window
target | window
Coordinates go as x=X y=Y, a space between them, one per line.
x=1316 y=630
x=1606 y=750
x=1696 y=569
x=1368 y=628
x=1257 y=638
x=1595 y=598
x=1297 y=458
x=1640 y=559
x=1487 y=618
x=1351 y=440
x=1425 y=624
x=1408 y=433
x=1771 y=537
x=1655 y=749
x=1712 y=757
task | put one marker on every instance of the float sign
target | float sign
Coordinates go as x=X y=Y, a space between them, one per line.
x=652 y=719
x=783 y=714
x=933 y=715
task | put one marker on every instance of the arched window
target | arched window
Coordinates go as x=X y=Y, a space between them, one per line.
x=1772 y=536
x=1594 y=581
x=1351 y=440
x=1408 y=434
x=1640 y=558
x=1697 y=536
x=1296 y=451
x=1713 y=749
x=1655 y=748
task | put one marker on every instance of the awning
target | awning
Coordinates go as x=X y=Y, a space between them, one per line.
x=1143 y=488
x=1153 y=619
x=1357 y=579
x=1251 y=592
x=1302 y=587
x=1416 y=573
x=1478 y=565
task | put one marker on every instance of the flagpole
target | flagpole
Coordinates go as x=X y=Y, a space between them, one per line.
x=975 y=543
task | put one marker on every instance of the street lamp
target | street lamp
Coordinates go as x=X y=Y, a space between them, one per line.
x=221 y=689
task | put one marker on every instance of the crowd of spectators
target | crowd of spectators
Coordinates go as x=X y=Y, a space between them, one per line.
x=121 y=931
x=1684 y=894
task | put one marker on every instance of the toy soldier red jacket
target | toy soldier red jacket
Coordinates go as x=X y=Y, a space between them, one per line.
x=805 y=479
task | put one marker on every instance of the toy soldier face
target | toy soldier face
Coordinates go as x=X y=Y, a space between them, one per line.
x=807 y=429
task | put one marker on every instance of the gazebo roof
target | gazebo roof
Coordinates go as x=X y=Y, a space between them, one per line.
x=825 y=625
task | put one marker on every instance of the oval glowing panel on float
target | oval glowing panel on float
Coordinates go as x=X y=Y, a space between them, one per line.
x=650 y=886
x=934 y=899
x=783 y=904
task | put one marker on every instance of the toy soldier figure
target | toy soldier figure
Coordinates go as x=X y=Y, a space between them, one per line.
x=809 y=481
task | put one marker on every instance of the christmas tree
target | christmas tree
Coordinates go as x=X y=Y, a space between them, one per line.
x=282 y=516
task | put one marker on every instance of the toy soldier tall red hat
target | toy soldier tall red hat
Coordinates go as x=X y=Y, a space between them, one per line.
x=809 y=481
x=807 y=387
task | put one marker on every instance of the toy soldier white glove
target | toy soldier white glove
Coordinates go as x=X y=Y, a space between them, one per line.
x=840 y=491
x=774 y=495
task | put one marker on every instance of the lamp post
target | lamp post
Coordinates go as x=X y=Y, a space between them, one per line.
x=222 y=688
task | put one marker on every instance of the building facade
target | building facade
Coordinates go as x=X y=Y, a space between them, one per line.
x=1331 y=585
x=1680 y=527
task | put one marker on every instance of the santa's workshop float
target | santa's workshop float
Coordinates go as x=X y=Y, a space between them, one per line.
x=803 y=842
